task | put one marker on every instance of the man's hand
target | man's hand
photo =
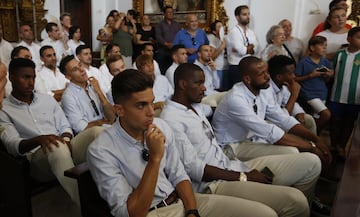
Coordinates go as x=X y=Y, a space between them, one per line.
x=95 y=84
x=300 y=117
x=47 y=141
x=190 y=50
x=256 y=176
x=155 y=141
x=294 y=87
x=250 y=49
x=322 y=150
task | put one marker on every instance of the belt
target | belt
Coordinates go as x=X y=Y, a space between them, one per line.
x=172 y=198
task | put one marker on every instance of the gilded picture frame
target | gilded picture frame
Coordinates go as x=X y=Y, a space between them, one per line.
x=207 y=11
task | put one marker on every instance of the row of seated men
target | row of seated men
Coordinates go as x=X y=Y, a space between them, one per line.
x=141 y=163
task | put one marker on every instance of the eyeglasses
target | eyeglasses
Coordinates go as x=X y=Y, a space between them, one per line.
x=208 y=132
x=193 y=41
x=145 y=154
x=255 y=108
x=93 y=104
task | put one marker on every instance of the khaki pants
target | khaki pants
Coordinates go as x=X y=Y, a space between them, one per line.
x=212 y=205
x=46 y=167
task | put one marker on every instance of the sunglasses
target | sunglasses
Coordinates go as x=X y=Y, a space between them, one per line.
x=193 y=41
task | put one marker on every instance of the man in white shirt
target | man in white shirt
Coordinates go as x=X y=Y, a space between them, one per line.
x=162 y=88
x=54 y=80
x=241 y=42
x=5 y=49
x=148 y=49
x=240 y=126
x=65 y=20
x=27 y=40
x=84 y=55
x=179 y=56
x=56 y=41
x=286 y=90
x=110 y=50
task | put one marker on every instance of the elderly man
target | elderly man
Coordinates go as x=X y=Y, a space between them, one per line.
x=192 y=37
x=27 y=40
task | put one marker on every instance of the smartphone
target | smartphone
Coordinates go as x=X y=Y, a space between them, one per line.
x=322 y=69
x=267 y=171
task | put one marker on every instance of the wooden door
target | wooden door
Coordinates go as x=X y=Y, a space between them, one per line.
x=80 y=11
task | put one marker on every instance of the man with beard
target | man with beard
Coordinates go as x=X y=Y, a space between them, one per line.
x=240 y=125
x=241 y=42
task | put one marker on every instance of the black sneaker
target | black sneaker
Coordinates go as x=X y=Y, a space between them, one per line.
x=319 y=209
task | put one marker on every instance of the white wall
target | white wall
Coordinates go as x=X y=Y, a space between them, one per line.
x=264 y=13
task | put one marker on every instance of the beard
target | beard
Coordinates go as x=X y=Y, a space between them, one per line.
x=261 y=86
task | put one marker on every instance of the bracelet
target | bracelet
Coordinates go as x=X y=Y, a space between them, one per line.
x=313 y=146
x=194 y=212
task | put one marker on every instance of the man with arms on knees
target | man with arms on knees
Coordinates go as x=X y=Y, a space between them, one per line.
x=286 y=90
x=135 y=163
x=239 y=119
x=35 y=126
x=83 y=102
x=213 y=172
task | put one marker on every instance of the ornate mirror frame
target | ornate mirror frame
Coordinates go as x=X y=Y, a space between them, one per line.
x=210 y=11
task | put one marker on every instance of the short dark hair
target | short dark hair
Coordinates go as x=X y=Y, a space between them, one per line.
x=72 y=31
x=110 y=46
x=128 y=82
x=277 y=64
x=143 y=46
x=238 y=9
x=353 y=31
x=112 y=59
x=64 y=62
x=185 y=71
x=176 y=47
x=167 y=7
x=15 y=52
x=81 y=47
x=246 y=62
x=213 y=25
x=44 y=48
x=19 y=63
x=49 y=26
x=318 y=39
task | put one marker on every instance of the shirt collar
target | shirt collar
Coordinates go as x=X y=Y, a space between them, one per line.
x=274 y=86
x=123 y=134
x=15 y=101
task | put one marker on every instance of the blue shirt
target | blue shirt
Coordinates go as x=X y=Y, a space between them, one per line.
x=183 y=37
x=20 y=120
x=78 y=107
x=315 y=87
x=196 y=142
x=116 y=164
x=241 y=115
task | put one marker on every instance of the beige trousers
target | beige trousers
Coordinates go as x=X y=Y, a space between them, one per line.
x=46 y=167
x=212 y=205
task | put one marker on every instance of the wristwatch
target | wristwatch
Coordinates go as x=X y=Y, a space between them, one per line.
x=242 y=177
x=313 y=145
x=66 y=139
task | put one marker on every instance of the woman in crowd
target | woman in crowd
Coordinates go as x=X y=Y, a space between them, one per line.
x=145 y=34
x=335 y=31
x=105 y=35
x=74 y=36
x=275 y=38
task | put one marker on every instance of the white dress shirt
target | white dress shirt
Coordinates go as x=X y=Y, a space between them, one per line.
x=196 y=142
x=35 y=52
x=5 y=52
x=162 y=88
x=241 y=115
x=52 y=81
x=236 y=44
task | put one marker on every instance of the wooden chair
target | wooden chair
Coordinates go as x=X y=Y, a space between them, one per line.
x=92 y=205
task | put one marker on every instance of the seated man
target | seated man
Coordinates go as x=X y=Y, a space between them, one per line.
x=115 y=64
x=136 y=166
x=179 y=56
x=148 y=49
x=83 y=102
x=286 y=90
x=110 y=50
x=239 y=119
x=54 y=80
x=162 y=88
x=34 y=125
x=210 y=169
